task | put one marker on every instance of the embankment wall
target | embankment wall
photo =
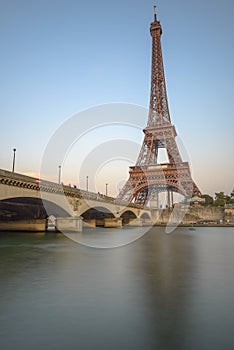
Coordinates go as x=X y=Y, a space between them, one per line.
x=197 y=214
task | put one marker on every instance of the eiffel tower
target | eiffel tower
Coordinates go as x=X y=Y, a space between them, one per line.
x=148 y=178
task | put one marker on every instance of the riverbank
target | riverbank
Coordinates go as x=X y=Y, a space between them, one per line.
x=204 y=216
x=195 y=225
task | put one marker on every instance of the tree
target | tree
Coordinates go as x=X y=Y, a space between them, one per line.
x=220 y=199
x=208 y=199
x=231 y=198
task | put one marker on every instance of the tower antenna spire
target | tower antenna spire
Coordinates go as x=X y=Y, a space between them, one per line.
x=155 y=14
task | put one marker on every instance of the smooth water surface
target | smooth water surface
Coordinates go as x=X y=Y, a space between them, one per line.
x=161 y=292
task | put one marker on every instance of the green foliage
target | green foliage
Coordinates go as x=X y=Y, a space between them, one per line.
x=229 y=200
x=221 y=199
x=208 y=199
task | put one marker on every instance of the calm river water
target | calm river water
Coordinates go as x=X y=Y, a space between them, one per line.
x=161 y=292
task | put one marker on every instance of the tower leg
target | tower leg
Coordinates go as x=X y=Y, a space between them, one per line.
x=168 y=198
x=172 y=198
x=156 y=204
x=157 y=200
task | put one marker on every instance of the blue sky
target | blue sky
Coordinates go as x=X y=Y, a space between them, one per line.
x=60 y=57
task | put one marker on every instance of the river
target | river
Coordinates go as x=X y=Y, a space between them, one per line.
x=160 y=292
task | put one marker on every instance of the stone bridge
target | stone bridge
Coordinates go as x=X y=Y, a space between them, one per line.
x=32 y=199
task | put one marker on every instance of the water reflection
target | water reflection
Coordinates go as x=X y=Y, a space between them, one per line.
x=188 y=288
x=160 y=292
x=166 y=267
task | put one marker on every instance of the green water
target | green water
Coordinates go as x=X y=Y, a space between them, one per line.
x=161 y=292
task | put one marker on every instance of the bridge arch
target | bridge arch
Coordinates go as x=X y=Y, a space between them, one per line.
x=128 y=216
x=145 y=216
x=96 y=215
x=25 y=208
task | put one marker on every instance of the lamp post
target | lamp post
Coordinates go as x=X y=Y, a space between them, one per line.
x=106 y=189
x=59 y=175
x=13 y=165
x=87 y=183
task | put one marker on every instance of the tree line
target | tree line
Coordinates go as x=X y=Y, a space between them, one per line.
x=221 y=199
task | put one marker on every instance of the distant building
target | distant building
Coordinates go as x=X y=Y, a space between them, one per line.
x=196 y=200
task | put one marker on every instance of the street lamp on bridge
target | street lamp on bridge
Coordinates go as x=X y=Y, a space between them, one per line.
x=59 y=175
x=106 y=189
x=87 y=183
x=13 y=165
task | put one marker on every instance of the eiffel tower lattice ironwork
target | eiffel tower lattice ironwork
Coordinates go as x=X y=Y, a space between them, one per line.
x=147 y=178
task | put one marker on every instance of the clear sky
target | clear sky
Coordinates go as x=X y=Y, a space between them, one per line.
x=59 y=57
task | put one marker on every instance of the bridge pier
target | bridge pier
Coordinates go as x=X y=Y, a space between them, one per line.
x=113 y=222
x=138 y=222
x=69 y=224
x=31 y=225
x=156 y=214
x=89 y=223
x=148 y=223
